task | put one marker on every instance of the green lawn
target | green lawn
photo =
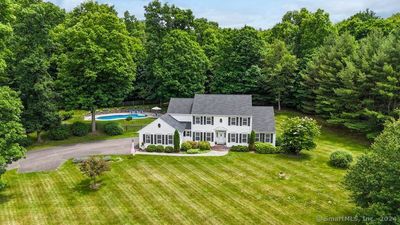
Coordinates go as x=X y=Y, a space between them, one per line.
x=240 y=188
x=131 y=128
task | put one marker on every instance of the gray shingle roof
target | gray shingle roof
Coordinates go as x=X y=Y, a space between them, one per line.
x=263 y=119
x=180 y=126
x=213 y=104
x=180 y=105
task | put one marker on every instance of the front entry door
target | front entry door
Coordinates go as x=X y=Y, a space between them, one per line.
x=221 y=137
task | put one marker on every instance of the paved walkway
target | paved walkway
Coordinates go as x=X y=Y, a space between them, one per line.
x=51 y=158
x=210 y=153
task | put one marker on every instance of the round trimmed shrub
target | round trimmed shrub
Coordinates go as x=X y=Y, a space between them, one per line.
x=113 y=129
x=129 y=118
x=195 y=145
x=159 y=148
x=58 y=133
x=265 y=148
x=239 y=148
x=79 y=129
x=278 y=141
x=186 y=146
x=169 y=149
x=341 y=159
x=204 y=145
x=151 y=148
x=193 y=151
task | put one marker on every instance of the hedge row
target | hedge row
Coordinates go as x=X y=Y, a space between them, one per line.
x=160 y=148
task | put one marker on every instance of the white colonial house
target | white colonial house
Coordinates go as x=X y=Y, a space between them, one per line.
x=219 y=119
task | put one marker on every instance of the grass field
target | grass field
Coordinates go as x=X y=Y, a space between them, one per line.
x=240 y=188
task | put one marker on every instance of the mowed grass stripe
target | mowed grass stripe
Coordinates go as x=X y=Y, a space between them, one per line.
x=256 y=189
x=215 y=196
x=233 y=178
x=297 y=187
x=280 y=193
x=193 y=211
x=135 y=207
x=248 y=211
x=180 y=211
x=89 y=204
x=194 y=194
x=156 y=196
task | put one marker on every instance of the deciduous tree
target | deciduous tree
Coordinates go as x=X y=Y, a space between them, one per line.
x=11 y=129
x=96 y=61
x=93 y=168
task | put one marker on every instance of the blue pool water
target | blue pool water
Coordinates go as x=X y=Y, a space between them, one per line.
x=121 y=117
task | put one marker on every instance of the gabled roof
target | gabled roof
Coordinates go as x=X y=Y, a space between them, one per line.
x=217 y=104
x=180 y=126
x=263 y=119
x=180 y=105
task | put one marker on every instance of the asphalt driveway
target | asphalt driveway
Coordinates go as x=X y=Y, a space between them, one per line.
x=52 y=158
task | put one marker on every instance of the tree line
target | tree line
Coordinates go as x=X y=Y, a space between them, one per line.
x=88 y=58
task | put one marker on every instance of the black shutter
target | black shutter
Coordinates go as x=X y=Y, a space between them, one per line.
x=229 y=137
x=194 y=120
x=193 y=135
x=237 y=136
x=240 y=138
x=248 y=123
x=163 y=139
x=229 y=121
x=272 y=137
x=144 y=138
x=151 y=141
x=241 y=121
x=212 y=136
x=212 y=120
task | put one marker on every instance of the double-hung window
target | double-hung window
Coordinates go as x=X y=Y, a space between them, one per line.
x=159 y=139
x=233 y=121
x=197 y=136
x=147 y=138
x=233 y=137
x=208 y=120
x=208 y=136
x=267 y=138
x=197 y=120
x=187 y=133
x=244 y=122
x=244 y=138
x=170 y=142
x=257 y=137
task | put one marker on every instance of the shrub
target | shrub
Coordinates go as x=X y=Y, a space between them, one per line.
x=204 y=145
x=265 y=148
x=194 y=144
x=299 y=134
x=186 y=146
x=177 y=141
x=25 y=142
x=113 y=129
x=193 y=151
x=66 y=115
x=159 y=148
x=252 y=141
x=169 y=149
x=239 y=148
x=278 y=141
x=341 y=159
x=61 y=132
x=151 y=148
x=129 y=118
x=79 y=129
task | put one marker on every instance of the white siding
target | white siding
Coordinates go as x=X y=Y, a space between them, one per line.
x=154 y=128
